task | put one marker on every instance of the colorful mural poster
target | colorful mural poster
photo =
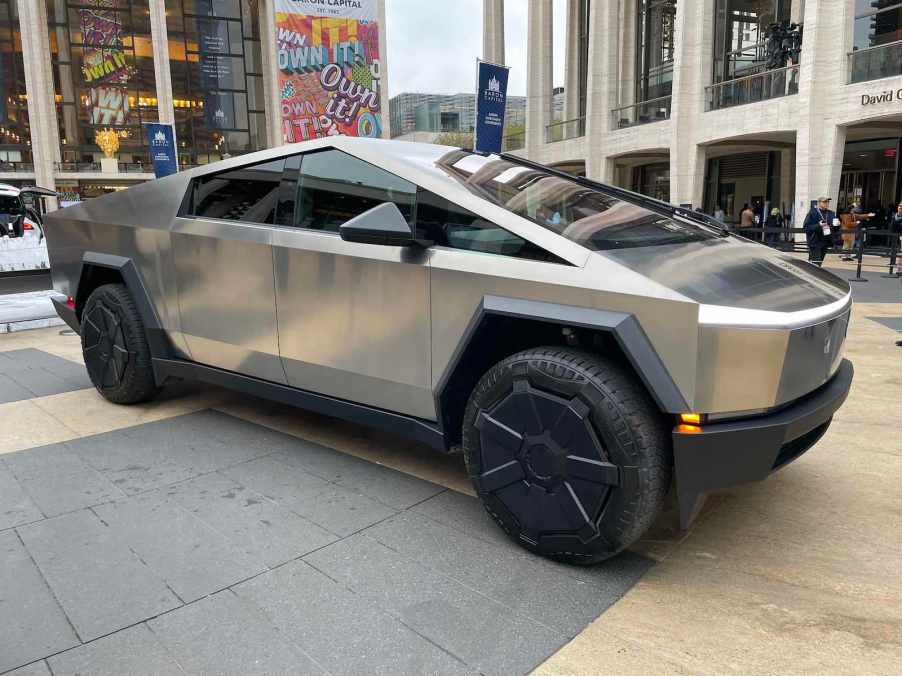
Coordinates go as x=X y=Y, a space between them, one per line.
x=329 y=68
x=104 y=67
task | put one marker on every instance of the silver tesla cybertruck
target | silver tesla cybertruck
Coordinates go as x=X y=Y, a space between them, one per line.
x=582 y=345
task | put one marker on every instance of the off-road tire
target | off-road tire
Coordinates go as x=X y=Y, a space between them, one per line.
x=567 y=452
x=114 y=346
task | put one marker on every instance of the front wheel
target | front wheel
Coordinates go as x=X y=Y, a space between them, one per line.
x=567 y=452
x=114 y=346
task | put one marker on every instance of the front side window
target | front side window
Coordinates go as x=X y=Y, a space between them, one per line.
x=248 y=194
x=588 y=216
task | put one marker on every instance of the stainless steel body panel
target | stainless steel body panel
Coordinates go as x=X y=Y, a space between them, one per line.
x=728 y=318
x=224 y=273
x=354 y=320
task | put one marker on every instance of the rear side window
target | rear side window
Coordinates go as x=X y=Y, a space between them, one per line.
x=249 y=194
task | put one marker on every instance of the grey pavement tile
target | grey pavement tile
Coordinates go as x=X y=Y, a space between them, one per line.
x=381 y=483
x=193 y=558
x=466 y=513
x=134 y=651
x=223 y=634
x=33 y=669
x=340 y=510
x=32 y=624
x=340 y=630
x=41 y=382
x=490 y=637
x=262 y=528
x=58 y=480
x=100 y=582
x=16 y=508
x=11 y=390
x=539 y=589
x=894 y=323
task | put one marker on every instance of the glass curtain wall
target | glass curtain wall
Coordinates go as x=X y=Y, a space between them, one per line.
x=217 y=78
x=740 y=35
x=103 y=77
x=652 y=180
x=877 y=48
x=15 y=134
x=655 y=48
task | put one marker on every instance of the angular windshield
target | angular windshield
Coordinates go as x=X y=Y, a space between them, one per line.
x=588 y=216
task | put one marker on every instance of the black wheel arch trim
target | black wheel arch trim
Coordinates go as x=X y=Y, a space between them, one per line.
x=624 y=327
x=160 y=345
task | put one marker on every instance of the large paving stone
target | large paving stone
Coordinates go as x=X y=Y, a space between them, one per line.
x=134 y=651
x=491 y=637
x=193 y=558
x=31 y=373
x=337 y=509
x=32 y=625
x=33 y=669
x=58 y=480
x=384 y=484
x=564 y=597
x=16 y=508
x=225 y=635
x=340 y=630
x=259 y=526
x=100 y=583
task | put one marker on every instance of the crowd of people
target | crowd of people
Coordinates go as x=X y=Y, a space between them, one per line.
x=825 y=230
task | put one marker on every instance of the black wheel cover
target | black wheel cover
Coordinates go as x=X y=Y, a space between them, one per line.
x=105 y=350
x=544 y=469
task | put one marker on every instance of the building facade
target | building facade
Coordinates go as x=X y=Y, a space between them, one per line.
x=215 y=69
x=721 y=103
x=414 y=113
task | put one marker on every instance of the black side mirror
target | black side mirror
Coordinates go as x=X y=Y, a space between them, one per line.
x=383 y=224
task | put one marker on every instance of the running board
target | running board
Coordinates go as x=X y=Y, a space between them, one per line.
x=408 y=427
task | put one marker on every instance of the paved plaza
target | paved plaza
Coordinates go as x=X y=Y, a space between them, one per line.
x=211 y=533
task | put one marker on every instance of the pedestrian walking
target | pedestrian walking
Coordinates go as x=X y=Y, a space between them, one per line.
x=847 y=227
x=818 y=230
x=746 y=220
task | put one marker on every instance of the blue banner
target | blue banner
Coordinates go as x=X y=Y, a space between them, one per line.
x=491 y=99
x=161 y=140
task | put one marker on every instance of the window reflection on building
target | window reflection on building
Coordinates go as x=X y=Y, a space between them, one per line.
x=15 y=135
x=103 y=76
x=655 y=48
x=217 y=78
x=740 y=35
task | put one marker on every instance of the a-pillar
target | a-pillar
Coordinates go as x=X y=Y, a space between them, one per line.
x=575 y=19
x=603 y=85
x=493 y=31
x=694 y=29
x=45 y=143
x=539 y=64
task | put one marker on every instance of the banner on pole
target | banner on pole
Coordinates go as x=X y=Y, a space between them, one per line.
x=161 y=139
x=329 y=68
x=491 y=99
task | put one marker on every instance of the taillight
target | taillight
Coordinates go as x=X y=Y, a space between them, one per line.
x=70 y=301
x=27 y=225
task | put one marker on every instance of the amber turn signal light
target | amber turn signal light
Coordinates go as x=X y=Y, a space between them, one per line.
x=691 y=418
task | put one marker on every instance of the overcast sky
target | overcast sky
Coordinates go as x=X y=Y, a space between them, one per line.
x=433 y=46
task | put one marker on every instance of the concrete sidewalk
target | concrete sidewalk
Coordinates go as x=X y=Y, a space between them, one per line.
x=32 y=310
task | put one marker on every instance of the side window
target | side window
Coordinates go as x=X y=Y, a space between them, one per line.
x=447 y=224
x=333 y=187
x=249 y=194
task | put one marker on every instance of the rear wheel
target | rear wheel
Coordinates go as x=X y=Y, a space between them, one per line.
x=567 y=452
x=114 y=345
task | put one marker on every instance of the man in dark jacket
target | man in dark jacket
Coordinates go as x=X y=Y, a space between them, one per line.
x=818 y=228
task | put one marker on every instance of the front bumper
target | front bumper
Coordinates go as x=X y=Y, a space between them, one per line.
x=725 y=454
